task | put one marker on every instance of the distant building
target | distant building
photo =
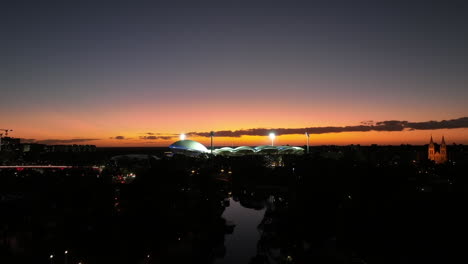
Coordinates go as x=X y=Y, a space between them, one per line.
x=188 y=147
x=9 y=144
x=438 y=153
x=194 y=148
x=33 y=147
x=70 y=148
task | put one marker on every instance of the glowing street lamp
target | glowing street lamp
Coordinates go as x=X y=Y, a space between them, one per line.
x=182 y=136
x=272 y=137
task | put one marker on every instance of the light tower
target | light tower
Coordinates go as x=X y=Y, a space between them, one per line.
x=182 y=136
x=272 y=137
x=211 y=136
x=307 y=136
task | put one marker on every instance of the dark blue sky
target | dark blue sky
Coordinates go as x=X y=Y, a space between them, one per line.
x=341 y=60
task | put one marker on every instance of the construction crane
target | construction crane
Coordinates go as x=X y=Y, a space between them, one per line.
x=6 y=130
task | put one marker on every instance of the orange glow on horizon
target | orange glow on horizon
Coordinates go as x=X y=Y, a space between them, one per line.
x=417 y=137
x=102 y=124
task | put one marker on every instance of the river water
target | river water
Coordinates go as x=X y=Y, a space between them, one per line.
x=241 y=245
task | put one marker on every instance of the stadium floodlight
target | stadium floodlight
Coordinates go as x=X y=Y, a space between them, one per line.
x=272 y=137
x=182 y=136
x=211 y=136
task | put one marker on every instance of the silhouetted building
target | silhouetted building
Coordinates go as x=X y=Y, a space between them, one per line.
x=194 y=148
x=438 y=153
x=33 y=147
x=70 y=148
x=9 y=144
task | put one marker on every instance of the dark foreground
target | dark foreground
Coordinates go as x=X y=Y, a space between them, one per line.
x=236 y=210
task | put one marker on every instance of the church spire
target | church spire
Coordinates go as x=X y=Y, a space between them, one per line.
x=431 y=142
x=443 y=140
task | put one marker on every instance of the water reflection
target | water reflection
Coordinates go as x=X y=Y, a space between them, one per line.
x=241 y=245
x=182 y=212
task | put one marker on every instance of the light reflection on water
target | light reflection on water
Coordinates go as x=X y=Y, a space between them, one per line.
x=241 y=245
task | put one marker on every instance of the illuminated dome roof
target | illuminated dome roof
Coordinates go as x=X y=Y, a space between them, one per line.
x=266 y=149
x=244 y=149
x=194 y=148
x=226 y=149
x=223 y=151
x=183 y=146
x=290 y=150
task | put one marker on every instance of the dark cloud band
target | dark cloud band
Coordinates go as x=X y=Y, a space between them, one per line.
x=391 y=125
x=156 y=137
x=65 y=141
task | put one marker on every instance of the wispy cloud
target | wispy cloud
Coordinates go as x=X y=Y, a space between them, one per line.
x=65 y=141
x=390 y=125
x=156 y=137
x=160 y=134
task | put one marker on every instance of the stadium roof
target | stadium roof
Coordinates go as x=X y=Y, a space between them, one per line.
x=188 y=147
x=194 y=148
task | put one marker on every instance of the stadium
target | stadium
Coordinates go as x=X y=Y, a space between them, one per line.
x=194 y=148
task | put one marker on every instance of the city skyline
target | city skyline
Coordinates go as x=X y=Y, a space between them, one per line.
x=142 y=72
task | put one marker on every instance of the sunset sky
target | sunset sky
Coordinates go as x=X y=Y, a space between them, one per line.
x=138 y=73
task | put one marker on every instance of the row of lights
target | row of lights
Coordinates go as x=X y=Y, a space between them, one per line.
x=272 y=136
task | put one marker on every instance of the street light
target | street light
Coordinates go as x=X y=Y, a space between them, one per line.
x=182 y=137
x=272 y=137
